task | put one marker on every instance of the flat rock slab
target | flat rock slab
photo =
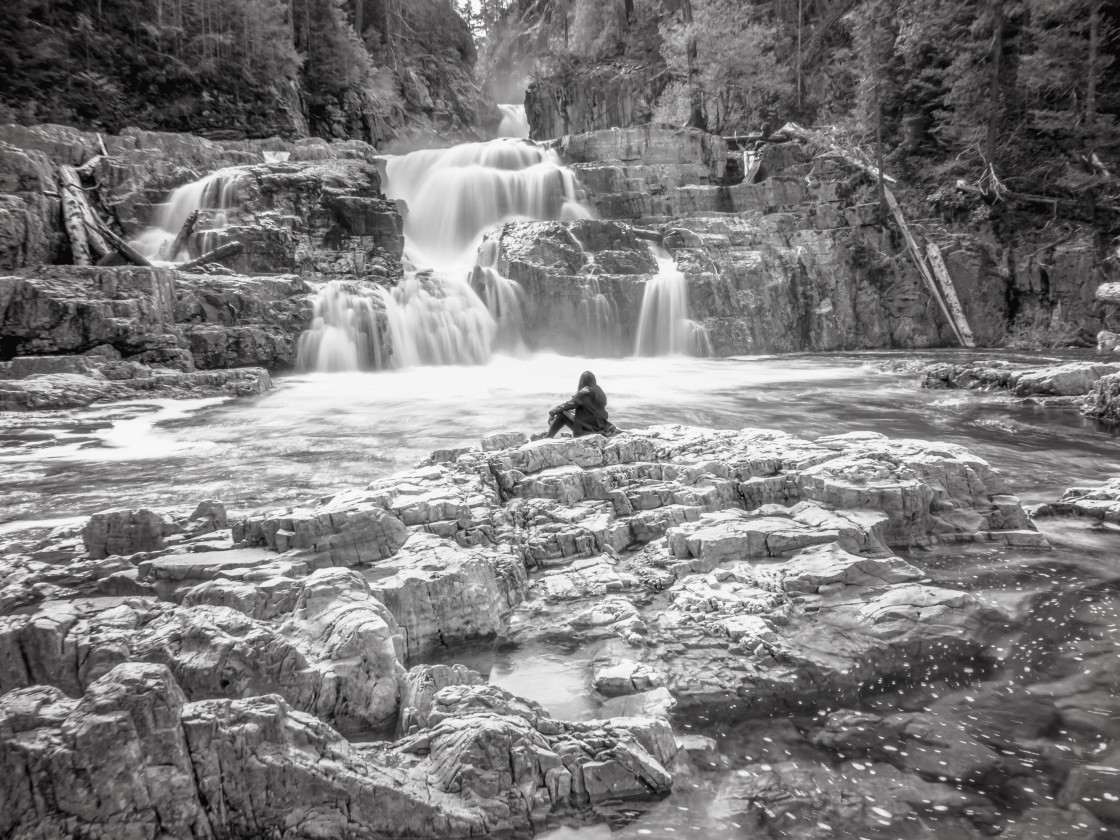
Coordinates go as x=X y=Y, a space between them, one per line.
x=207 y=565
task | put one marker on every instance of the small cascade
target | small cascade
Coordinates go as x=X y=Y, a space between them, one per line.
x=456 y=195
x=514 y=122
x=664 y=327
x=214 y=196
x=600 y=320
x=344 y=334
x=436 y=318
x=505 y=299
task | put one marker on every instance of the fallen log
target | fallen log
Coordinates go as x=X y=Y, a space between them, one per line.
x=919 y=260
x=217 y=255
x=950 y=293
x=70 y=185
x=180 y=239
x=122 y=247
x=72 y=217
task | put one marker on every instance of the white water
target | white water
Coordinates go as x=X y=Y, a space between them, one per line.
x=664 y=327
x=514 y=122
x=344 y=334
x=453 y=306
x=214 y=196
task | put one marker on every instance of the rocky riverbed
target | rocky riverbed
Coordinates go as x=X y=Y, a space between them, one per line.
x=210 y=673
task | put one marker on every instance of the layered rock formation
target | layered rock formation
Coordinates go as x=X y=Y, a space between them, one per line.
x=736 y=574
x=797 y=257
x=117 y=331
x=594 y=97
x=1093 y=387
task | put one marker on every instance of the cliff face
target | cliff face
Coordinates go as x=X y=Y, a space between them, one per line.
x=798 y=260
x=593 y=97
x=112 y=331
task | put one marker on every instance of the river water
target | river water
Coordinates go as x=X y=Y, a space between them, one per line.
x=317 y=433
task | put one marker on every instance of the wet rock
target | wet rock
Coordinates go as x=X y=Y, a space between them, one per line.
x=1103 y=402
x=1049 y=823
x=343 y=531
x=508 y=755
x=855 y=799
x=655 y=703
x=1095 y=787
x=442 y=594
x=335 y=655
x=124 y=531
x=1101 y=502
x=1067 y=380
x=702 y=751
x=419 y=687
x=65 y=390
x=133 y=756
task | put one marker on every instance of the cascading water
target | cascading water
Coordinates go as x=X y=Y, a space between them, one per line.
x=664 y=327
x=600 y=320
x=514 y=122
x=453 y=305
x=344 y=334
x=215 y=196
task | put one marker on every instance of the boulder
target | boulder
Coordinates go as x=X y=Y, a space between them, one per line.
x=442 y=594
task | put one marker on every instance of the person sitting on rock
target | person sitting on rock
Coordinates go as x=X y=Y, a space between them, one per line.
x=585 y=413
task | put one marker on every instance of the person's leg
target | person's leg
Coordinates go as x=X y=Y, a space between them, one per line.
x=559 y=421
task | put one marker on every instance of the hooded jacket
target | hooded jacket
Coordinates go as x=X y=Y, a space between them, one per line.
x=590 y=408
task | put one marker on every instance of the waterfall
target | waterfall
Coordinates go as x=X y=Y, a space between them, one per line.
x=436 y=318
x=505 y=299
x=514 y=122
x=214 y=196
x=453 y=305
x=600 y=320
x=456 y=195
x=344 y=332
x=664 y=327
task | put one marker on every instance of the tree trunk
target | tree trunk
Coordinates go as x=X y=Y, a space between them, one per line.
x=997 y=53
x=359 y=8
x=119 y=244
x=1094 y=69
x=180 y=239
x=75 y=212
x=217 y=255
x=879 y=153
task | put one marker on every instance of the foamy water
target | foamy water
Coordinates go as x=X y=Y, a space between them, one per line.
x=315 y=433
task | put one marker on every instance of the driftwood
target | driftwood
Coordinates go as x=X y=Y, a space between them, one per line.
x=180 y=240
x=72 y=216
x=217 y=255
x=122 y=247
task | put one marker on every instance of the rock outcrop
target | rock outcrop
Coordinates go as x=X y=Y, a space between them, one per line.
x=592 y=97
x=739 y=574
x=319 y=213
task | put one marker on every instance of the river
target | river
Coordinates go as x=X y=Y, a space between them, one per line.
x=315 y=433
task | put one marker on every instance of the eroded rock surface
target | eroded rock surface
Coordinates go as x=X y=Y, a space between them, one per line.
x=736 y=573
